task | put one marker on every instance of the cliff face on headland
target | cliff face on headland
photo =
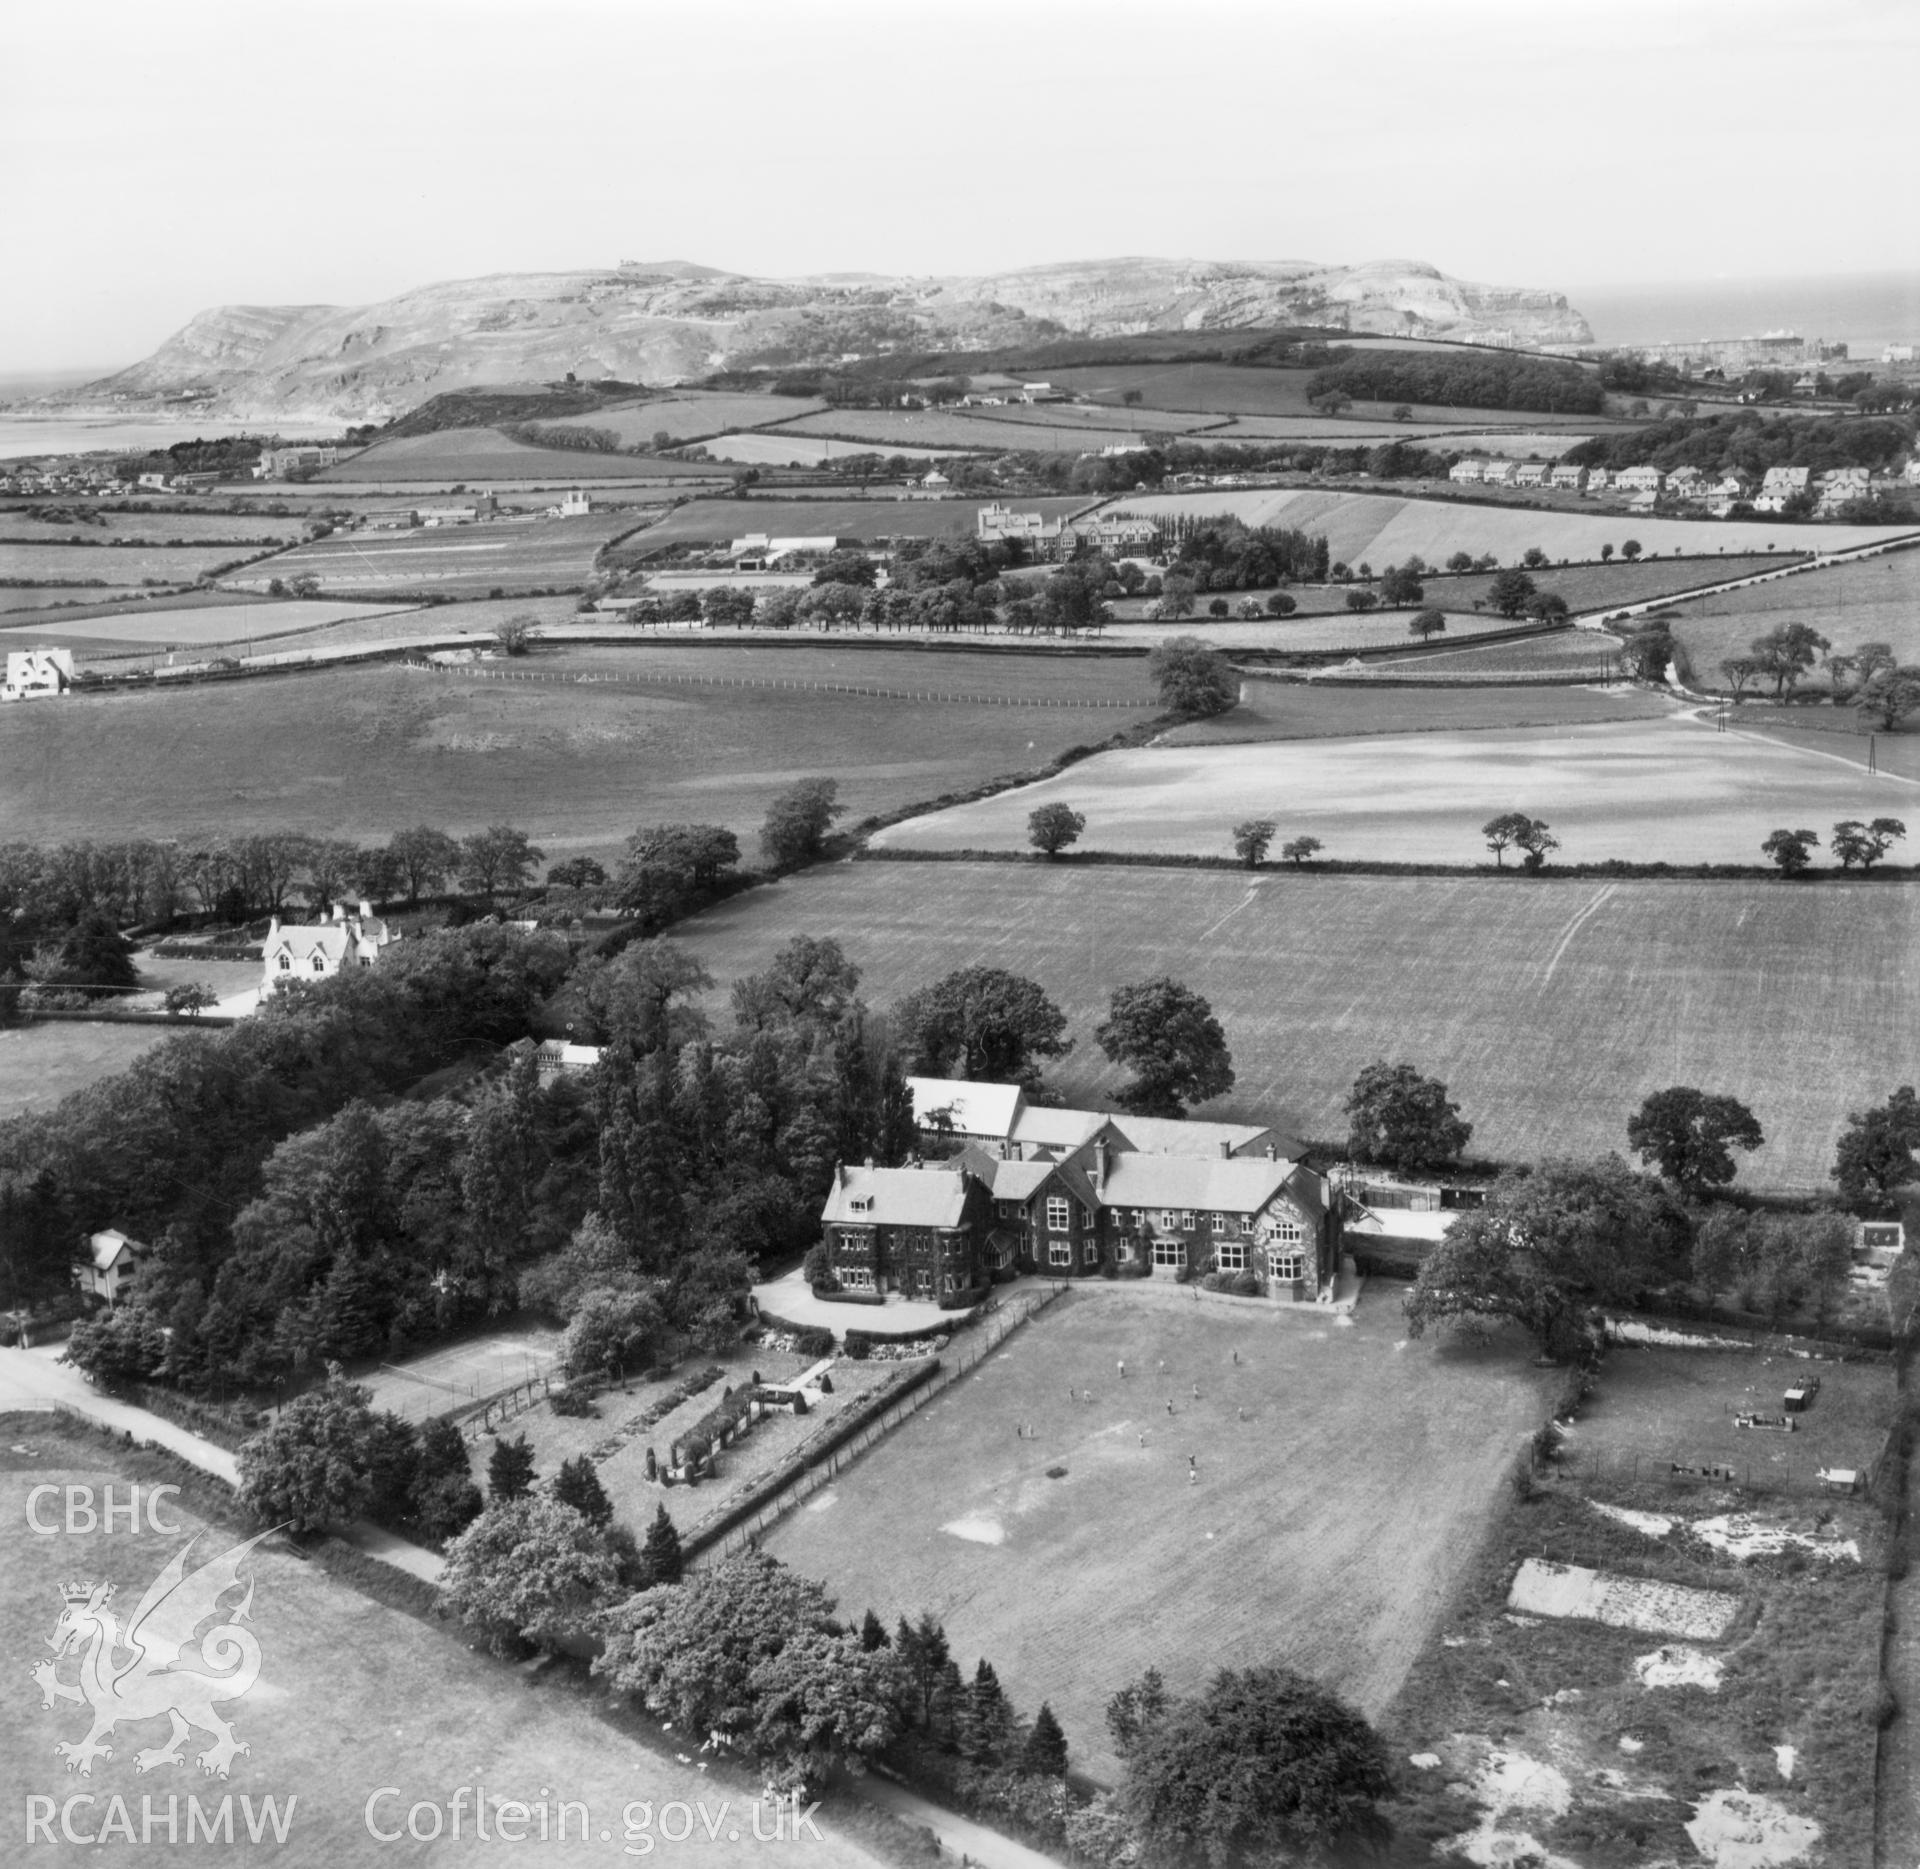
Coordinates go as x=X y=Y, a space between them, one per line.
x=671 y=323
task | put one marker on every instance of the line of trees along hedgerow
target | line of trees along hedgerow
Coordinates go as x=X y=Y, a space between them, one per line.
x=1747 y=442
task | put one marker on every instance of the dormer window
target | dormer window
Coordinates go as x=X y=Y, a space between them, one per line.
x=861 y=1204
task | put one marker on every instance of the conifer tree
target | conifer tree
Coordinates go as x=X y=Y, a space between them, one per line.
x=1046 y=1749
x=660 y=1557
x=873 y=1633
x=510 y=1469
x=987 y=1725
x=577 y=1484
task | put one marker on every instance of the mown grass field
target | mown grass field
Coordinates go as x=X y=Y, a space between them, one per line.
x=1667 y=790
x=117 y=564
x=1550 y=1009
x=1869 y=600
x=1584 y=652
x=1308 y=631
x=714 y=522
x=351 y=1696
x=152 y=525
x=458 y=560
x=1343 y=1479
x=691 y=413
x=1293 y=709
x=361 y=752
x=40 y=1064
x=950 y=428
x=143 y=627
x=484 y=454
x=1386 y=529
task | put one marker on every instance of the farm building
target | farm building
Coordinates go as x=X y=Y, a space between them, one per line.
x=37 y=674
x=318 y=951
x=1076 y=1193
x=112 y=1259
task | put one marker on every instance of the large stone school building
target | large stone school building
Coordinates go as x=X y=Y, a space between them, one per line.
x=1011 y=1186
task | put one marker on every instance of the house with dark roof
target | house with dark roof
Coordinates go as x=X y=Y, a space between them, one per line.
x=1078 y=1194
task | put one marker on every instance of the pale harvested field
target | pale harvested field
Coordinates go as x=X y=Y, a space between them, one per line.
x=1550 y=1009
x=1669 y=790
x=1326 y=1530
x=1386 y=529
x=804 y=450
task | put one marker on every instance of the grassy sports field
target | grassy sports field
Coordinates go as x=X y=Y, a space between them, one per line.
x=1343 y=1476
x=1386 y=529
x=1550 y=1009
x=485 y=454
x=459 y=560
x=351 y=1696
x=1869 y=600
x=361 y=752
x=1666 y=790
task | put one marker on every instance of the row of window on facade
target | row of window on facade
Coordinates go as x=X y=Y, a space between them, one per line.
x=1168 y=1220
x=1281 y=1262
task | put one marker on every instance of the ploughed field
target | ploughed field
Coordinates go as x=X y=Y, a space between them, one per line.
x=350 y=1697
x=1550 y=1009
x=361 y=752
x=1343 y=1475
x=1669 y=790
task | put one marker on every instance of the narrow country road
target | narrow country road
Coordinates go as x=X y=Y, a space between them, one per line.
x=959 y=1836
x=37 y=1379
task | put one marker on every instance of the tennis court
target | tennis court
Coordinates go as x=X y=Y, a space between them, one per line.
x=456 y=1374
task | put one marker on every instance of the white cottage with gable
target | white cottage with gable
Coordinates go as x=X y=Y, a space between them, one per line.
x=350 y=937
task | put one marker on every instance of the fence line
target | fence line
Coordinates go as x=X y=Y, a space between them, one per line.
x=749 y=681
x=811 y=1479
x=1687 y=1471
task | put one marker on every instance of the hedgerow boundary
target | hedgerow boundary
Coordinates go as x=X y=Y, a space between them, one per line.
x=1614 y=869
x=816 y=1467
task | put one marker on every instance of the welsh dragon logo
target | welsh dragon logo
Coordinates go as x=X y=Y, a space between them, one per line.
x=137 y=1674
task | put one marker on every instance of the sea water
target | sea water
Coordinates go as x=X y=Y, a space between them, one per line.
x=1865 y=311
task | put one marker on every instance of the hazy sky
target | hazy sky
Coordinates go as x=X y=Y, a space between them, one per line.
x=172 y=154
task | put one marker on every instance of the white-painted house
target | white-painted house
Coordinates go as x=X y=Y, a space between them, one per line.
x=112 y=1259
x=37 y=674
x=312 y=951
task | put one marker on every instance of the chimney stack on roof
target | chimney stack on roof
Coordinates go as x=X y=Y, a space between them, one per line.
x=1226 y=1149
x=1273 y=1152
x=1100 y=1162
